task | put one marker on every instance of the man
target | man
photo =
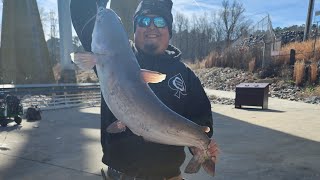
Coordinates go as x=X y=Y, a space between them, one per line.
x=129 y=156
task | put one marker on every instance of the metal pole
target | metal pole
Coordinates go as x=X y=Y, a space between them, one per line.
x=309 y=20
x=263 y=54
x=315 y=41
x=317 y=13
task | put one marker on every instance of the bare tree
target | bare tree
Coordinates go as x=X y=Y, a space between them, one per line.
x=232 y=16
x=198 y=36
x=193 y=39
x=217 y=32
x=195 y=35
x=179 y=24
x=44 y=17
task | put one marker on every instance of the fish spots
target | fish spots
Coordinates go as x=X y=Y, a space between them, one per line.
x=112 y=80
x=111 y=92
x=118 y=97
x=144 y=127
x=174 y=131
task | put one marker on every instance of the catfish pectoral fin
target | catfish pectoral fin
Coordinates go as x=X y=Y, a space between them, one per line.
x=116 y=127
x=152 y=76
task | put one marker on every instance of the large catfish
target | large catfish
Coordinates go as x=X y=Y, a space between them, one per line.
x=124 y=86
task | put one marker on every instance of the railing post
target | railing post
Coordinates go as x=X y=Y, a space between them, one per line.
x=53 y=96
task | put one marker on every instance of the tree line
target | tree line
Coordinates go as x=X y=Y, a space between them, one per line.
x=197 y=36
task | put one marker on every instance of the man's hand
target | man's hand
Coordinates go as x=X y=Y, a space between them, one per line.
x=213 y=149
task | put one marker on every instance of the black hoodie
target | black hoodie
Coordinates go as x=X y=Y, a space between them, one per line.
x=181 y=91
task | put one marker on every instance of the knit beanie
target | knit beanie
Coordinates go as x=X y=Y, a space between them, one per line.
x=158 y=7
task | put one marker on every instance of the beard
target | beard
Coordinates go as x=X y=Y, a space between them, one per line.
x=150 y=48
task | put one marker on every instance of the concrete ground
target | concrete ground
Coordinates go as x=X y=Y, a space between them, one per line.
x=282 y=143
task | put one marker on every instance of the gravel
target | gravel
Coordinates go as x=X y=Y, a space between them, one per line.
x=226 y=79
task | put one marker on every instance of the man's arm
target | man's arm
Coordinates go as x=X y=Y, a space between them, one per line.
x=83 y=17
x=199 y=107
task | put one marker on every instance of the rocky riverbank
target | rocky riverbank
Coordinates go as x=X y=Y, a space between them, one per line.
x=226 y=79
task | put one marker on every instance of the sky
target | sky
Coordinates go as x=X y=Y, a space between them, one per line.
x=283 y=13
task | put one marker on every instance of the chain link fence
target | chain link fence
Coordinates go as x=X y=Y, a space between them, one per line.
x=260 y=40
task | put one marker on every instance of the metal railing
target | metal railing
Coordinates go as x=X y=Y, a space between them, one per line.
x=55 y=96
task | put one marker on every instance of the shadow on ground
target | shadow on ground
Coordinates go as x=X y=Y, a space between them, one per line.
x=63 y=145
x=260 y=109
x=252 y=152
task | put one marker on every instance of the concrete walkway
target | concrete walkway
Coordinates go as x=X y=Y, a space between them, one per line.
x=295 y=118
x=282 y=143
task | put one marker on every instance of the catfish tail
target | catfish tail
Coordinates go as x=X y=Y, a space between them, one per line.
x=199 y=159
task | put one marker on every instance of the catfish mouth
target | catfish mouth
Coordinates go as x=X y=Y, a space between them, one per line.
x=100 y=8
x=101 y=52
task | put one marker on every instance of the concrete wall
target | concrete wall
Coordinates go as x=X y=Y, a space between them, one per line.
x=68 y=73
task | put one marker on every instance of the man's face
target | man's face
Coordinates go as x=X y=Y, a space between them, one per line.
x=151 y=39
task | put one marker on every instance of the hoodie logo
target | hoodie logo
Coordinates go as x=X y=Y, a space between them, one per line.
x=177 y=84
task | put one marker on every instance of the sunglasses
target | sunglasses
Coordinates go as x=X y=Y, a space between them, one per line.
x=145 y=21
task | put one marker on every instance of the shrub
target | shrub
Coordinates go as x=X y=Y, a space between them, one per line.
x=313 y=72
x=299 y=71
x=252 y=65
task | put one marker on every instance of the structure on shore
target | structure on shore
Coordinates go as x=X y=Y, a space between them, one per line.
x=24 y=53
x=125 y=9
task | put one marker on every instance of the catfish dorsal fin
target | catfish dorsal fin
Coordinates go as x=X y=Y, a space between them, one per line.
x=152 y=76
x=84 y=60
